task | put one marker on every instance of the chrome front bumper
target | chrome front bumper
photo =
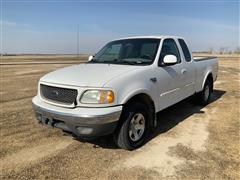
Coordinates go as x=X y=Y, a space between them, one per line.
x=80 y=121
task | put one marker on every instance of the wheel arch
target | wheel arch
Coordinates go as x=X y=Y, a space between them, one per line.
x=141 y=94
x=145 y=98
x=209 y=76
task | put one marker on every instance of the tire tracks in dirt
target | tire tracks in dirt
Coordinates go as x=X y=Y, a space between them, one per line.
x=27 y=157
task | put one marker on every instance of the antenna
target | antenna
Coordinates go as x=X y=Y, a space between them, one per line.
x=78 y=41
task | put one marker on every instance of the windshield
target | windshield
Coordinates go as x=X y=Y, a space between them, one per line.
x=128 y=51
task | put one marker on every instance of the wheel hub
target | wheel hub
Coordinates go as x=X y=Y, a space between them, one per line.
x=136 y=127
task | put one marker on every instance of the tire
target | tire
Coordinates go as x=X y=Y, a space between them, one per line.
x=203 y=97
x=128 y=135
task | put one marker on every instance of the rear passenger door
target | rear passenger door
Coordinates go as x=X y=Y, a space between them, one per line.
x=189 y=76
x=171 y=77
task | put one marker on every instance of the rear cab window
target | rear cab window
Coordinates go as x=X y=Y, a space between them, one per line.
x=185 y=50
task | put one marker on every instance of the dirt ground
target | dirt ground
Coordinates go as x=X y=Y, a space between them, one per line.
x=191 y=142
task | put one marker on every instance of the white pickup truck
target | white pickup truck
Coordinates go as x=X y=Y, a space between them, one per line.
x=120 y=89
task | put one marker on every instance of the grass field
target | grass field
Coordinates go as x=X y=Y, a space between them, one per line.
x=191 y=142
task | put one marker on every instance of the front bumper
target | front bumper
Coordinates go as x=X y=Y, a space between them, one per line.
x=87 y=122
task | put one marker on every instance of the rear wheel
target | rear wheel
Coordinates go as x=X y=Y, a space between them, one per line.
x=204 y=96
x=134 y=127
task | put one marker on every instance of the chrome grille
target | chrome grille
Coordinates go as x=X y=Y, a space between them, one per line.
x=58 y=94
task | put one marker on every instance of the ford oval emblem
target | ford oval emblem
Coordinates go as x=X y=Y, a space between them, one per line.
x=55 y=93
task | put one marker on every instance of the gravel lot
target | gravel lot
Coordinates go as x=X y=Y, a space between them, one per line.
x=191 y=142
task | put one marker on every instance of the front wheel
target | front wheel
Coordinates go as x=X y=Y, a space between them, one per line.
x=134 y=127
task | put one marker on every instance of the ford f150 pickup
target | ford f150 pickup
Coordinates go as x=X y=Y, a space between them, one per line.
x=120 y=89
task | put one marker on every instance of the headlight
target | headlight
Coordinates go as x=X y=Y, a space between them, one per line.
x=97 y=97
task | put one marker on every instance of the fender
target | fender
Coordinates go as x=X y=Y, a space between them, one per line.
x=205 y=77
x=136 y=92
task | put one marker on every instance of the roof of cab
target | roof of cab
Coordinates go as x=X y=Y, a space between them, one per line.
x=151 y=37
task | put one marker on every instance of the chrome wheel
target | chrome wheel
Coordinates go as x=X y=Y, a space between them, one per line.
x=136 y=127
x=206 y=92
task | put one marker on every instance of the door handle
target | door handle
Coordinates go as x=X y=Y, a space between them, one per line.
x=154 y=79
x=183 y=71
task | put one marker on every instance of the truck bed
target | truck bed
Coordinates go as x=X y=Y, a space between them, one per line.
x=203 y=66
x=203 y=58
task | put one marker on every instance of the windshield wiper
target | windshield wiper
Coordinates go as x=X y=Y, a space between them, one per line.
x=119 y=61
x=134 y=62
x=128 y=62
x=107 y=62
x=111 y=61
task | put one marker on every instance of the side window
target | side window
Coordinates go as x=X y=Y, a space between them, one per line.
x=169 y=47
x=185 y=50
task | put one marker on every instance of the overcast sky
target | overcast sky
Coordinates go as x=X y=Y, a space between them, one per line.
x=30 y=26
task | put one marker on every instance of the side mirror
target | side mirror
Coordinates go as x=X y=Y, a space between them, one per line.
x=90 y=57
x=170 y=59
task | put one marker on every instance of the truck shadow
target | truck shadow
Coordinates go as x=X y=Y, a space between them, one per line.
x=172 y=116
x=166 y=120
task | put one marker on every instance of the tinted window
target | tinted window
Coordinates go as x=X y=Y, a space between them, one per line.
x=169 y=47
x=111 y=52
x=128 y=51
x=185 y=49
x=148 y=50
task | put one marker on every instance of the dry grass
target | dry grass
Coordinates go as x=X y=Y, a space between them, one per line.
x=43 y=58
x=190 y=142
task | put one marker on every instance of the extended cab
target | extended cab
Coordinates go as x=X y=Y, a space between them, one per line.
x=120 y=89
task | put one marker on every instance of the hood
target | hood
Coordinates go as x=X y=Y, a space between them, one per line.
x=91 y=75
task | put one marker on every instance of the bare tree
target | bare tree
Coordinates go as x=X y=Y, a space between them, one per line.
x=223 y=50
x=210 y=50
x=237 y=50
